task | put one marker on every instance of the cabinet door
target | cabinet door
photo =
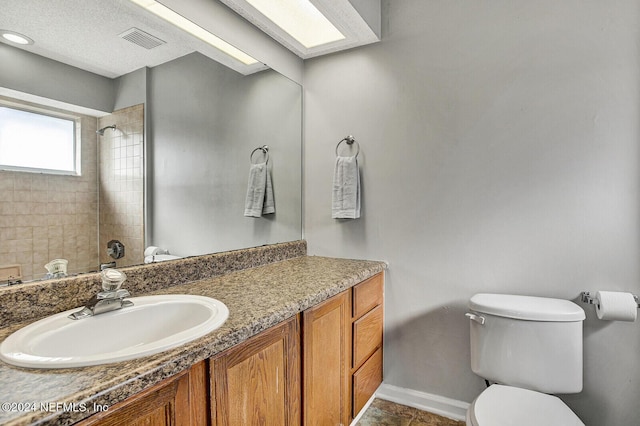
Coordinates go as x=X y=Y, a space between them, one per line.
x=326 y=362
x=258 y=381
x=179 y=400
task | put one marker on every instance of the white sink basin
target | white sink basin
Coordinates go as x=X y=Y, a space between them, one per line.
x=153 y=324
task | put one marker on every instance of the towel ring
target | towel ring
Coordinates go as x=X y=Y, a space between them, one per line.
x=265 y=151
x=350 y=140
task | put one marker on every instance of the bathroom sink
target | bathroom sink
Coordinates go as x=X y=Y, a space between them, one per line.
x=153 y=324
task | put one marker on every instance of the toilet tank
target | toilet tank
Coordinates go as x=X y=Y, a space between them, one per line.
x=526 y=341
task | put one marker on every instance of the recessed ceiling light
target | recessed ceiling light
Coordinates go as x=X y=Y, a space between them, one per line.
x=300 y=19
x=15 y=37
x=186 y=25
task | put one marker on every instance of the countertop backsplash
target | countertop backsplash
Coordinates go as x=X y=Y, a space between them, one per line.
x=39 y=299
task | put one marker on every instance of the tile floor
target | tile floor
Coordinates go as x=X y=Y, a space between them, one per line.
x=385 y=413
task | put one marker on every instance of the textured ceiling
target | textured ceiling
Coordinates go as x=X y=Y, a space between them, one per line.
x=84 y=33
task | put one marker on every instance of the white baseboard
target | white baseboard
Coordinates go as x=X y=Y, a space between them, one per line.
x=435 y=404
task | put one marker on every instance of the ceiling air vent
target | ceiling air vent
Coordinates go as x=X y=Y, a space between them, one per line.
x=141 y=38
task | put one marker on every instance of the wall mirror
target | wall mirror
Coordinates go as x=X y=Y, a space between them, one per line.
x=173 y=171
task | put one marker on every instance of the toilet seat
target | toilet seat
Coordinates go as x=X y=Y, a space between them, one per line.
x=501 y=405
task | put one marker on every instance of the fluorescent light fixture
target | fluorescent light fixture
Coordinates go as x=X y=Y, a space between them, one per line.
x=195 y=30
x=15 y=37
x=300 y=19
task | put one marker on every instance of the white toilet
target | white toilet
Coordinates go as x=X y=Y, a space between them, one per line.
x=530 y=347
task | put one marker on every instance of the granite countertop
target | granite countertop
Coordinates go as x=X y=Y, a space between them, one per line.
x=257 y=298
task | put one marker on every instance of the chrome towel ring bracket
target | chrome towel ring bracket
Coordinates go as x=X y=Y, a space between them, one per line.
x=350 y=140
x=265 y=151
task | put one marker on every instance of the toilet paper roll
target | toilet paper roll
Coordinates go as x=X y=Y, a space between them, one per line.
x=616 y=306
x=151 y=251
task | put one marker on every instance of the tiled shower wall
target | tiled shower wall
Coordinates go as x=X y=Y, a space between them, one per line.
x=121 y=184
x=46 y=216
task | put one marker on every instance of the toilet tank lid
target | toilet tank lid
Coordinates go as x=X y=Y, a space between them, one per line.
x=530 y=308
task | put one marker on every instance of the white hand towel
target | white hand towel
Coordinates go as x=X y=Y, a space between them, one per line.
x=259 y=199
x=346 y=189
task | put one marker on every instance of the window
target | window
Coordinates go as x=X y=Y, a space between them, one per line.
x=35 y=141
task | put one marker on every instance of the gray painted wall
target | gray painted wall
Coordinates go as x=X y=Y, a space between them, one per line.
x=205 y=120
x=131 y=89
x=37 y=75
x=499 y=154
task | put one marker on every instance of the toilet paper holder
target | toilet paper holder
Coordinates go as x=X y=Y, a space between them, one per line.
x=587 y=297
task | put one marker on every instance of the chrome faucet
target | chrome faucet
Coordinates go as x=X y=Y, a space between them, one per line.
x=110 y=299
x=104 y=266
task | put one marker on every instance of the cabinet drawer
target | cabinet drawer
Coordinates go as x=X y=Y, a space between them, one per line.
x=367 y=335
x=366 y=380
x=367 y=295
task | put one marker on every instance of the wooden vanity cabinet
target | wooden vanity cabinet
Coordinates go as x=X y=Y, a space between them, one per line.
x=180 y=400
x=342 y=353
x=258 y=381
x=320 y=375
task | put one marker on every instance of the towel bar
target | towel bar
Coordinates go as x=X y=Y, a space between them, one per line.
x=350 y=140
x=265 y=151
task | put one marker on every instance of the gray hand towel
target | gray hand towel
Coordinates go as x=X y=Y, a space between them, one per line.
x=269 y=204
x=259 y=199
x=346 y=189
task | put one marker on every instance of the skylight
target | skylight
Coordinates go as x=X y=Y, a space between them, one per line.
x=300 y=19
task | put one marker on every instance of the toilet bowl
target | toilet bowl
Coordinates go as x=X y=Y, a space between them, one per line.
x=501 y=405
